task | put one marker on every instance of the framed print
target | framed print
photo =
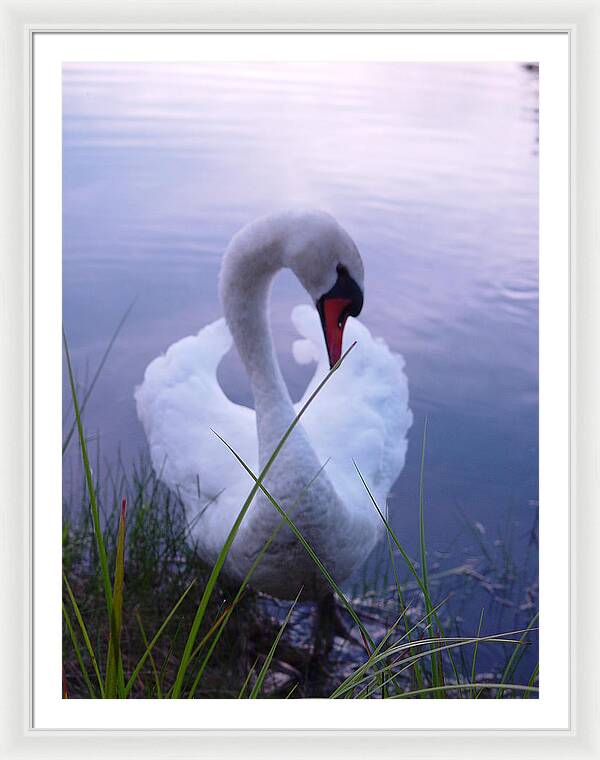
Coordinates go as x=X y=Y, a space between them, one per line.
x=329 y=413
x=303 y=309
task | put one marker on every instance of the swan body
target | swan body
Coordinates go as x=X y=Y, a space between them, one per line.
x=361 y=415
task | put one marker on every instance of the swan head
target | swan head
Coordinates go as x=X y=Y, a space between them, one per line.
x=326 y=261
x=343 y=300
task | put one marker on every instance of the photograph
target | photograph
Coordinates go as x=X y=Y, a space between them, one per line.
x=300 y=380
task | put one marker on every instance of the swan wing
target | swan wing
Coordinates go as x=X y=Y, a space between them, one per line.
x=360 y=415
x=180 y=403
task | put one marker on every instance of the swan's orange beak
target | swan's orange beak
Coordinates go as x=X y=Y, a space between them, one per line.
x=334 y=312
x=345 y=299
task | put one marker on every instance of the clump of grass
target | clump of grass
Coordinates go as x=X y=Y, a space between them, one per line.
x=121 y=657
x=156 y=573
x=161 y=567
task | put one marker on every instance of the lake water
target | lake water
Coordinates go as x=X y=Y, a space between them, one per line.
x=432 y=169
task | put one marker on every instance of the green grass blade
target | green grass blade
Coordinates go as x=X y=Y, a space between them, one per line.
x=167 y=658
x=399 y=546
x=256 y=689
x=362 y=674
x=454 y=642
x=379 y=654
x=216 y=626
x=422 y=510
x=97 y=374
x=310 y=551
x=463 y=686
x=424 y=588
x=435 y=668
x=534 y=675
x=77 y=651
x=445 y=645
x=348 y=683
x=247 y=680
x=220 y=561
x=474 y=661
x=84 y=633
x=512 y=662
x=244 y=584
x=155 y=638
x=150 y=657
x=115 y=686
x=418 y=672
x=355 y=678
x=399 y=648
x=90 y=487
x=225 y=618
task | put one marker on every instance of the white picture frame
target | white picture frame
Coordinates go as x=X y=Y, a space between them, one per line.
x=581 y=21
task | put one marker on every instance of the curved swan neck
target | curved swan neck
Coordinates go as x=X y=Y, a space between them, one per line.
x=251 y=261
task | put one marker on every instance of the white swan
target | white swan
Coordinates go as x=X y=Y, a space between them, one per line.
x=361 y=414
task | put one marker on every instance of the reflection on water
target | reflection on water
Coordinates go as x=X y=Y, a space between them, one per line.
x=432 y=168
